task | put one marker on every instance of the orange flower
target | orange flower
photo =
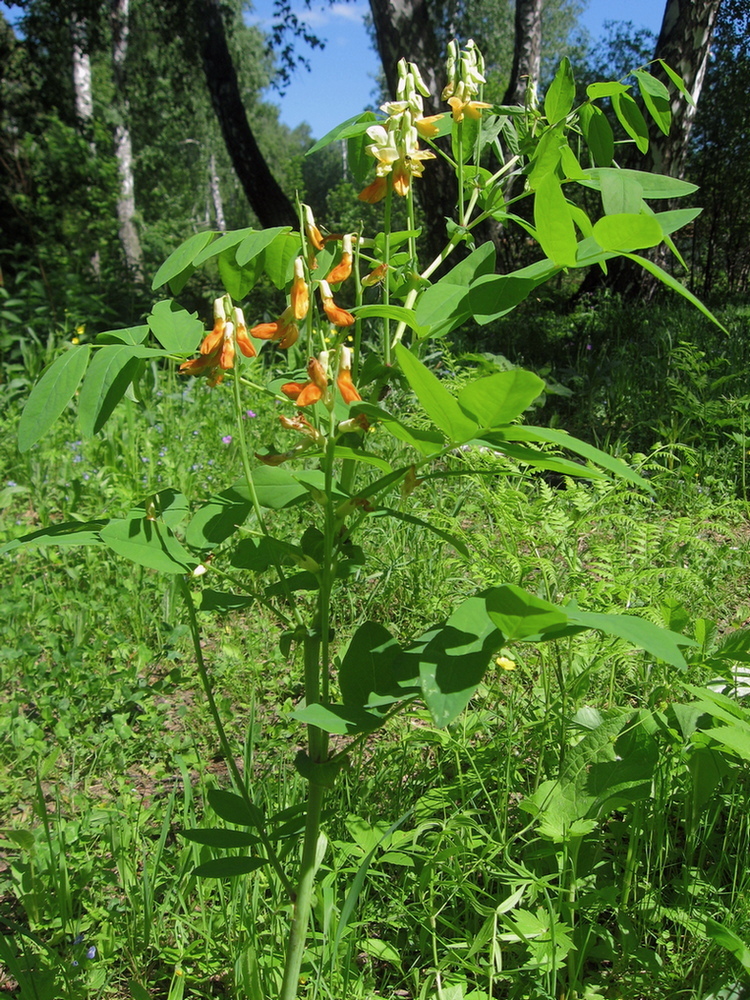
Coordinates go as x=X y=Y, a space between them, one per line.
x=243 y=341
x=219 y=358
x=344 y=267
x=283 y=329
x=344 y=380
x=300 y=294
x=312 y=391
x=337 y=316
x=374 y=192
x=377 y=274
x=313 y=233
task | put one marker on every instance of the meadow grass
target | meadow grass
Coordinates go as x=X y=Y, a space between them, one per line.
x=450 y=871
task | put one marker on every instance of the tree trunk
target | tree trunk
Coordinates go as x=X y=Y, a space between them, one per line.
x=527 y=51
x=84 y=99
x=684 y=43
x=221 y=223
x=81 y=74
x=264 y=194
x=129 y=238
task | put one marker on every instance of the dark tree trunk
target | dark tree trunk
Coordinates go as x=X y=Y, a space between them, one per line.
x=684 y=43
x=527 y=51
x=264 y=194
x=404 y=29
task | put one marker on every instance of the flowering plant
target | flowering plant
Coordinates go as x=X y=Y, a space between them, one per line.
x=357 y=311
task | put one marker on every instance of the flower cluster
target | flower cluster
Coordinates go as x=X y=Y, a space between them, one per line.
x=395 y=145
x=218 y=348
x=317 y=387
x=465 y=71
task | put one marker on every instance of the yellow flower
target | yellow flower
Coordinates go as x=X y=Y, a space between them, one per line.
x=504 y=663
x=472 y=109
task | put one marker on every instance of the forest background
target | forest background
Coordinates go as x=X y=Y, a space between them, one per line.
x=126 y=127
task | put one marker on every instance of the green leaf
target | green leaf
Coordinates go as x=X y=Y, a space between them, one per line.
x=631 y=119
x=366 y=674
x=451 y=659
x=355 y=455
x=238 y=281
x=399 y=313
x=133 y=335
x=571 y=167
x=177 y=330
x=656 y=98
x=728 y=939
x=560 y=94
x=675 y=219
x=480 y=261
x=652 y=185
x=499 y=399
x=256 y=241
x=107 y=379
x=520 y=615
x=167 y=505
x=51 y=395
x=234 y=809
x=426 y=441
x=220 y=837
x=225 y=242
x=356 y=125
x=598 y=135
x=67 y=533
x=660 y=642
x=215 y=600
x=564 y=440
x=554 y=224
x=218 y=518
x=261 y=554
x=275 y=487
x=597 y=91
x=621 y=192
x=279 y=258
x=228 y=867
x=437 y=402
x=442 y=308
x=495 y=295
x=733 y=738
x=178 y=267
x=148 y=543
x=675 y=285
x=546 y=157
x=677 y=81
x=343 y=720
x=627 y=232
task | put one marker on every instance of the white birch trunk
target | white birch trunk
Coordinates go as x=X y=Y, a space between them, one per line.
x=129 y=238
x=218 y=204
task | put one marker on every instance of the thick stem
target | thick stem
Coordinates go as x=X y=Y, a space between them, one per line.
x=303 y=901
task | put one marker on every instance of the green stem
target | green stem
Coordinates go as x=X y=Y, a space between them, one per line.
x=460 y=172
x=303 y=900
x=387 y=261
x=221 y=733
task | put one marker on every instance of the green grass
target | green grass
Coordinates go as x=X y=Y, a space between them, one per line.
x=107 y=750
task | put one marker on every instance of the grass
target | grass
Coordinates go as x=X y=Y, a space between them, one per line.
x=484 y=868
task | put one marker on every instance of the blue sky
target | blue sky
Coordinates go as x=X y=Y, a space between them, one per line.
x=342 y=77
